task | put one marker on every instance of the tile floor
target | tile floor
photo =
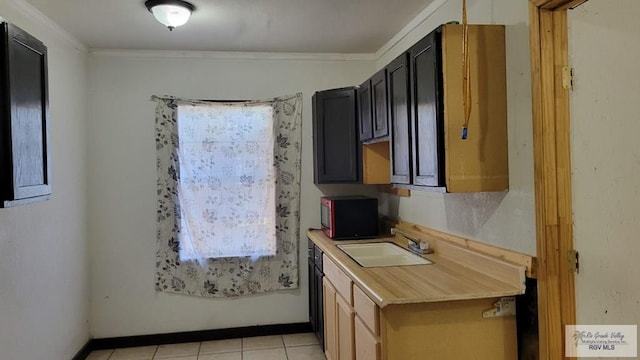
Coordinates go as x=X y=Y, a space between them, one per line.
x=277 y=347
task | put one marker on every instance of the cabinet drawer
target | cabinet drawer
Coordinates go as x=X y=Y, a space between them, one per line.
x=317 y=256
x=366 y=309
x=338 y=279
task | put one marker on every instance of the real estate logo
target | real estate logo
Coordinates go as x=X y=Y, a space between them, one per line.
x=601 y=340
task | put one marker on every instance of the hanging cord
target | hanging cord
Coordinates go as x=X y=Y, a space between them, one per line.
x=466 y=71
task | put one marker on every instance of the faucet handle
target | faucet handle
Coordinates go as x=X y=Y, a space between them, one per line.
x=418 y=246
x=412 y=242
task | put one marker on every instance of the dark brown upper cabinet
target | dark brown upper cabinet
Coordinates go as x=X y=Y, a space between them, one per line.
x=426 y=112
x=427 y=115
x=399 y=120
x=336 y=147
x=380 y=105
x=365 y=111
x=25 y=165
x=373 y=108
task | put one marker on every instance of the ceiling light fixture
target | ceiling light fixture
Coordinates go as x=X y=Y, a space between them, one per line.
x=170 y=13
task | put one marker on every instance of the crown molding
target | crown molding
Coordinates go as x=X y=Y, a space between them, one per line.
x=414 y=23
x=230 y=55
x=33 y=13
x=36 y=15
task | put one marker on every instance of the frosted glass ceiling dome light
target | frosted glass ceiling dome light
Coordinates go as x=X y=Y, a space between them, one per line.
x=170 y=13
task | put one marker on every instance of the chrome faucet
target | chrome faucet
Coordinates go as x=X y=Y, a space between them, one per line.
x=418 y=246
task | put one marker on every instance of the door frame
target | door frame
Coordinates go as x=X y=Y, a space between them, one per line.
x=552 y=172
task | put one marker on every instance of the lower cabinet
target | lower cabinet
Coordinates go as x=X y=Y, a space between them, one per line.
x=330 y=320
x=316 y=320
x=339 y=331
x=348 y=336
x=357 y=329
x=338 y=315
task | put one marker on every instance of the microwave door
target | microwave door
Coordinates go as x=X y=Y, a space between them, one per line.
x=325 y=217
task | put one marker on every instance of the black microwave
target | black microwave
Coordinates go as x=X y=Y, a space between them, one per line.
x=349 y=217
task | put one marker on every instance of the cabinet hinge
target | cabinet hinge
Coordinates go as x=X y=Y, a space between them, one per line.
x=574 y=261
x=567 y=78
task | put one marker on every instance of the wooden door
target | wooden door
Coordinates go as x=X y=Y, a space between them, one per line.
x=400 y=134
x=319 y=304
x=427 y=117
x=365 y=115
x=24 y=137
x=345 y=315
x=313 y=295
x=337 y=153
x=330 y=320
x=380 y=107
x=367 y=344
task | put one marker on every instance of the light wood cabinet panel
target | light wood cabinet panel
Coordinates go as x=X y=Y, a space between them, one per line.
x=330 y=324
x=339 y=315
x=366 y=309
x=338 y=279
x=446 y=330
x=367 y=344
x=345 y=315
x=375 y=163
x=434 y=330
x=480 y=162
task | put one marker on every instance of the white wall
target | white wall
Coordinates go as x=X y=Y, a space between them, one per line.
x=122 y=183
x=603 y=39
x=44 y=271
x=503 y=219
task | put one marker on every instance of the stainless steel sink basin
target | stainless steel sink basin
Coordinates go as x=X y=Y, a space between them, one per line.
x=382 y=254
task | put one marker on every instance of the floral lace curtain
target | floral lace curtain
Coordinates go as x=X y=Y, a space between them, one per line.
x=226 y=188
x=229 y=276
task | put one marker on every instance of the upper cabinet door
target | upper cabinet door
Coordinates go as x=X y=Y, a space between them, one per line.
x=481 y=161
x=427 y=120
x=380 y=107
x=337 y=153
x=24 y=116
x=364 y=106
x=399 y=116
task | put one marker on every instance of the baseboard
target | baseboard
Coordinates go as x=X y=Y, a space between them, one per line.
x=191 y=336
x=84 y=352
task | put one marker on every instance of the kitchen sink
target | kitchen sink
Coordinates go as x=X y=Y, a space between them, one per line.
x=382 y=254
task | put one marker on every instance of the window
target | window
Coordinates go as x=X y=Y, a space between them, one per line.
x=241 y=245
x=226 y=188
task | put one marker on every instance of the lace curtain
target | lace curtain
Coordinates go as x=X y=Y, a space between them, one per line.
x=226 y=188
x=232 y=275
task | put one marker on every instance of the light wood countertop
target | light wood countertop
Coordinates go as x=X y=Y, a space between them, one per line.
x=457 y=273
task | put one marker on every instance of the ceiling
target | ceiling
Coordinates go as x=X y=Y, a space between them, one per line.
x=306 y=26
